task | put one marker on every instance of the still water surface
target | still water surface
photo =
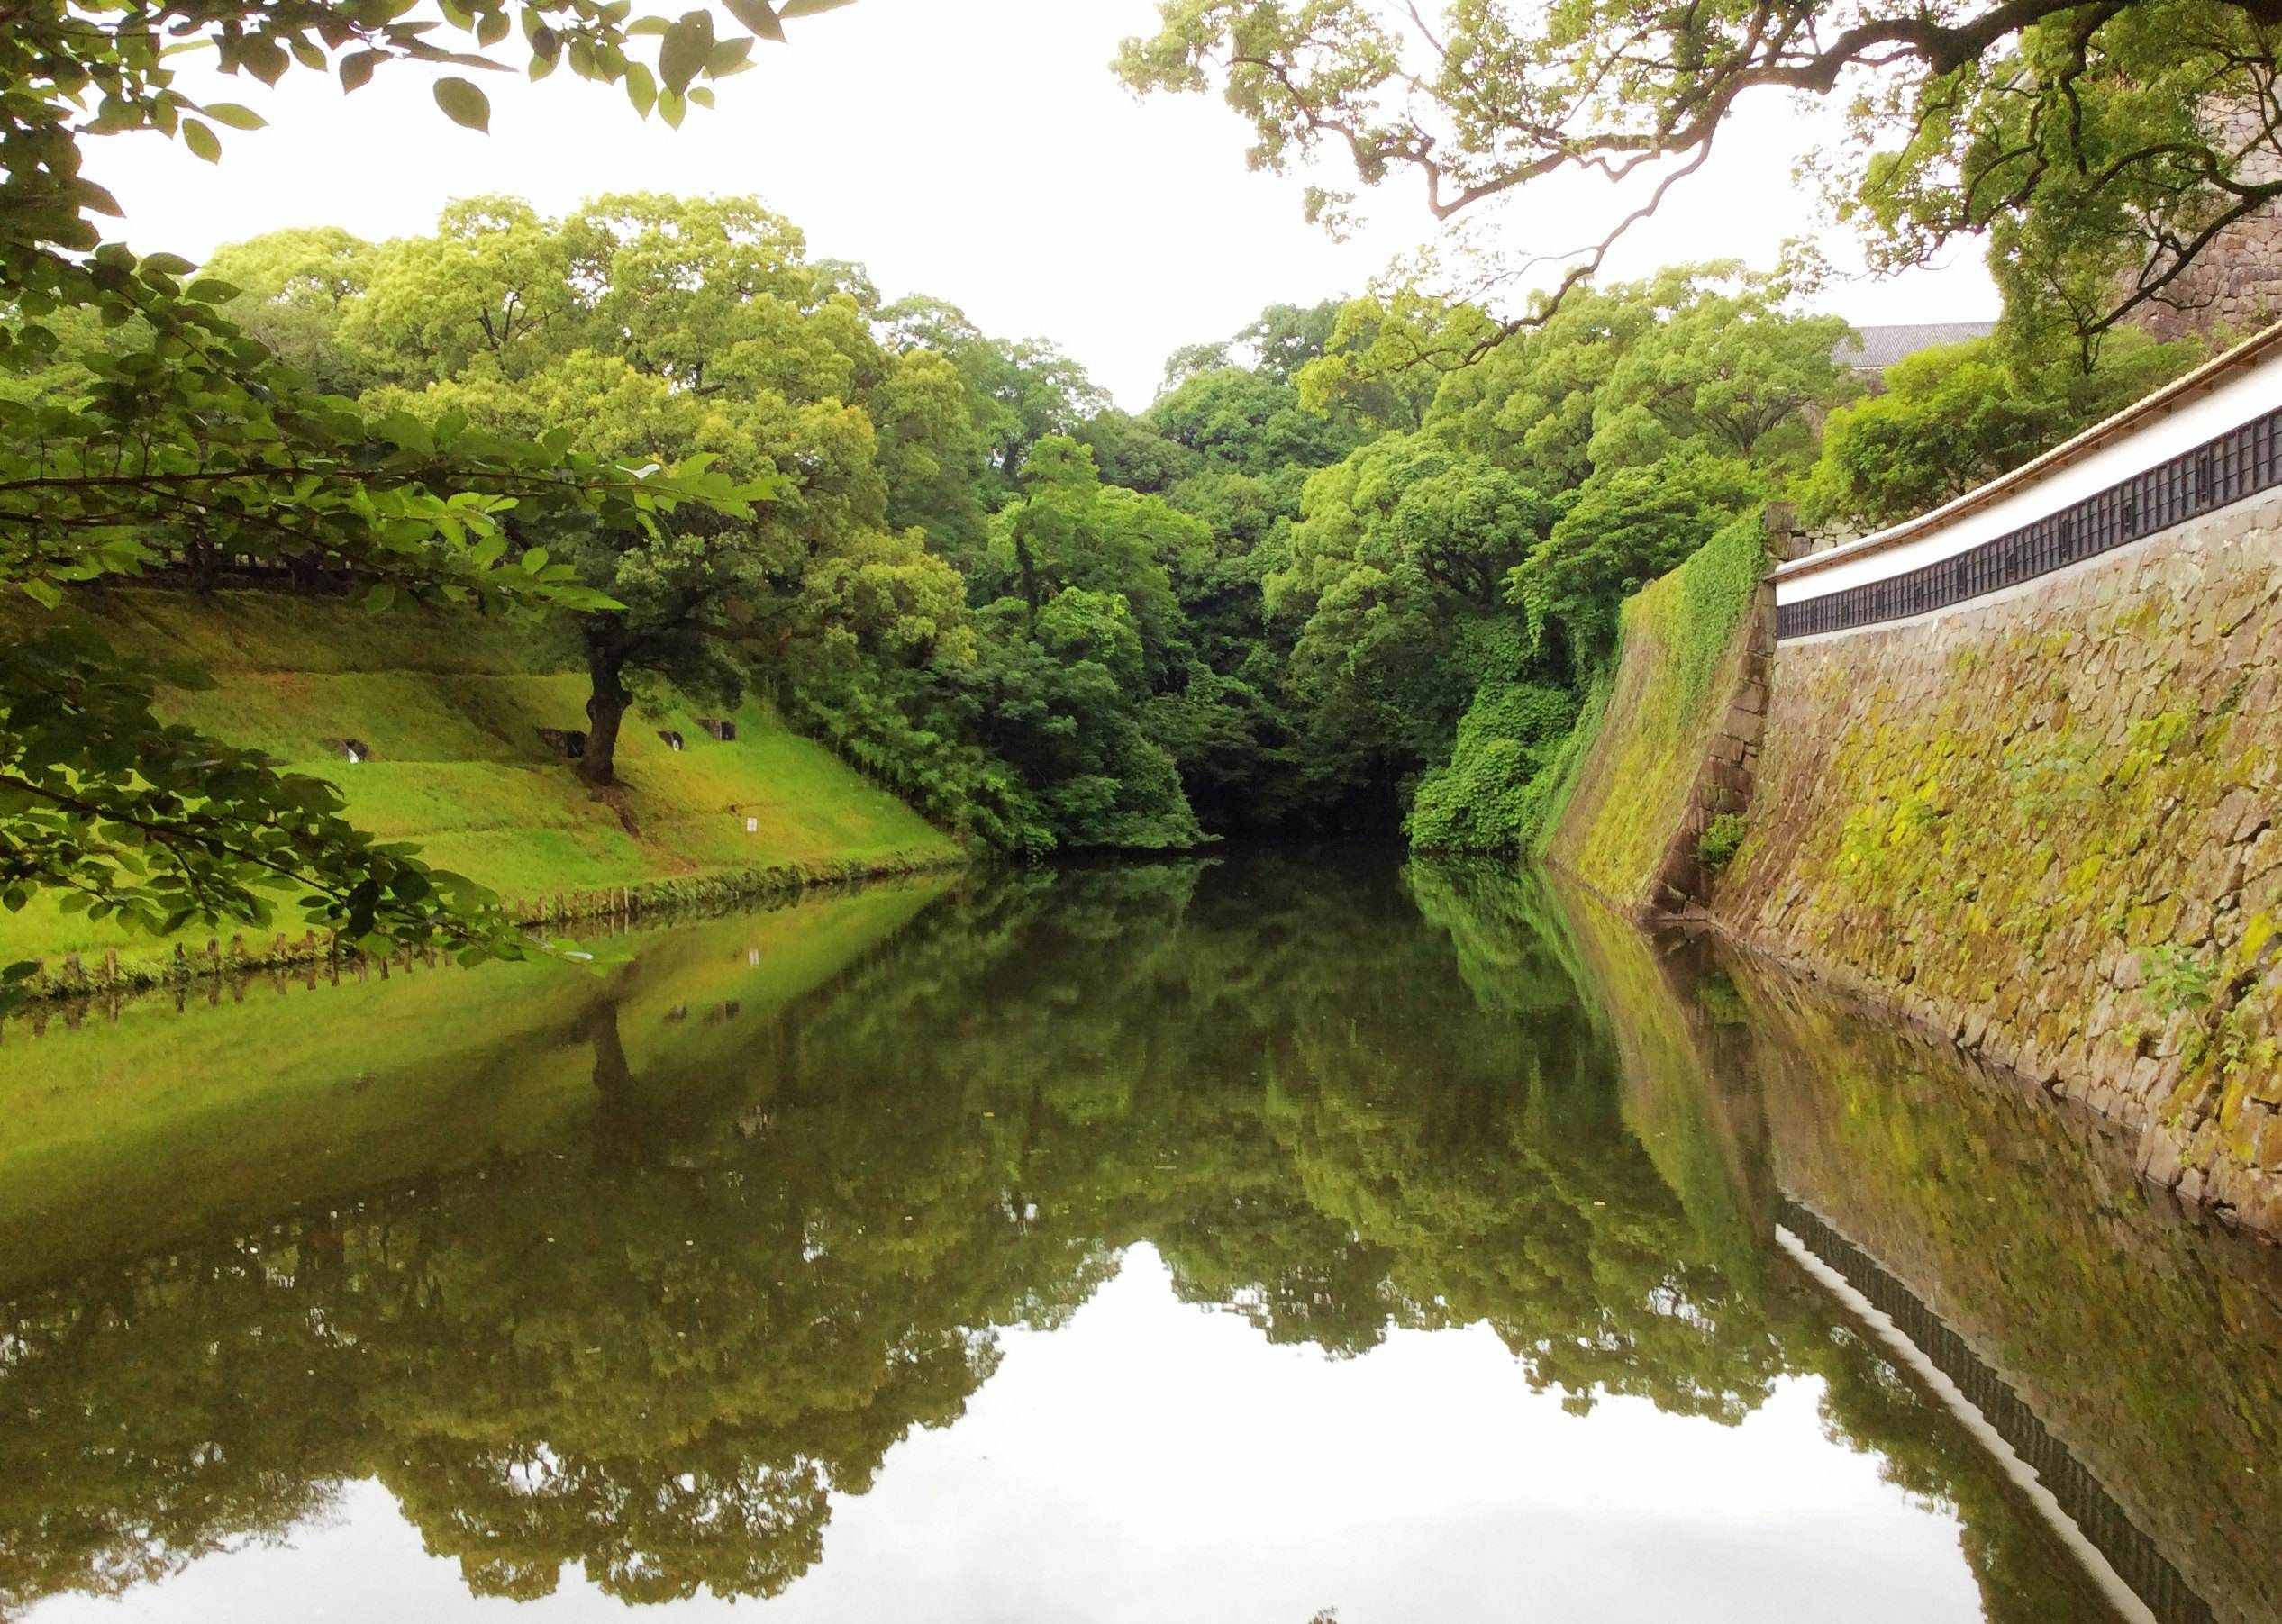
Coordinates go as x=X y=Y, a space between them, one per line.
x=1263 y=1239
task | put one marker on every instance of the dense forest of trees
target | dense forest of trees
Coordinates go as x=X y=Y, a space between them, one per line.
x=1308 y=588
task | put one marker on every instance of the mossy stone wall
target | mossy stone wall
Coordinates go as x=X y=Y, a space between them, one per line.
x=2046 y=825
x=1674 y=742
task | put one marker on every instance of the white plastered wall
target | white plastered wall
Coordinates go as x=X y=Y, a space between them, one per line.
x=2249 y=394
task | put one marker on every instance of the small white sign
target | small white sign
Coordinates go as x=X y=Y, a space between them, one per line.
x=752 y=826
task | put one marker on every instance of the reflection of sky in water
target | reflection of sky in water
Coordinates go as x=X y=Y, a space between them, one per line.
x=1153 y=1461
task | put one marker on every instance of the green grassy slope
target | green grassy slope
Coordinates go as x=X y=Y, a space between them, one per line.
x=451 y=706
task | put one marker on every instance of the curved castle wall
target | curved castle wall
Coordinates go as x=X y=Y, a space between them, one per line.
x=2046 y=818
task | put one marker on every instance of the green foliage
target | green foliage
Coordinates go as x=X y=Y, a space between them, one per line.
x=2179 y=979
x=1062 y=686
x=2099 y=152
x=1722 y=839
x=1623 y=531
x=161 y=434
x=2099 y=149
x=1019 y=391
x=450 y=707
x=1631 y=763
x=1955 y=416
x=695 y=334
x=1232 y=421
x=1715 y=591
x=1491 y=795
x=1558 y=474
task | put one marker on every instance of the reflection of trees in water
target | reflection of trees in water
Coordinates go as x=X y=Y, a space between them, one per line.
x=1336 y=1100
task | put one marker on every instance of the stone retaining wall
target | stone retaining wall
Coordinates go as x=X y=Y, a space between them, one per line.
x=2045 y=823
x=1679 y=736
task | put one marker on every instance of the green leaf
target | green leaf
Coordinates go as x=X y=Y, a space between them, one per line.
x=687 y=45
x=42 y=593
x=89 y=195
x=402 y=428
x=233 y=116
x=641 y=89
x=492 y=28
x=357 y=69
x=464 y=103
x=266 y=60
x=809 y=8
x=202 y=140
x=758 y=16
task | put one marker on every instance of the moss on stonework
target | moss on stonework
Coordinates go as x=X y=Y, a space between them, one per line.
x=1685 y=640
x=1996 y=815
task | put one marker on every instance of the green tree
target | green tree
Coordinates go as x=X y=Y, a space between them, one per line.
x=1957 y=416
x=689 y=333
x=291 y=286
x=1079 y=626
x=1133 y=453
x=1624 y=529
x=191 y=440
x=1451 y=592
x=2100 y=146
x=1400 y=550
x=1021 y=390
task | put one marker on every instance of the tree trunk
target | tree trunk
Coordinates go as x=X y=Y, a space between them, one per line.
x=605 y=707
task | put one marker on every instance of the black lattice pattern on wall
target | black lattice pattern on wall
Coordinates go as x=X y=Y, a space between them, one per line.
x=2238 y=463
x=2127 y=1547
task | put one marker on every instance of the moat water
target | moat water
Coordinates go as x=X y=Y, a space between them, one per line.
x=1270 y=1238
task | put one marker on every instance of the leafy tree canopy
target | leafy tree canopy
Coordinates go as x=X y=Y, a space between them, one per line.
x=1952 y=417
x=2099 y=147
x=188 y=440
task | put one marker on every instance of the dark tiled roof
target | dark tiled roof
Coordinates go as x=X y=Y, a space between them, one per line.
x=1875 y=349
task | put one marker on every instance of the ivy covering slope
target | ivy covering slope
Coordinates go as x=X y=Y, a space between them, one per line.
x=1685 y=640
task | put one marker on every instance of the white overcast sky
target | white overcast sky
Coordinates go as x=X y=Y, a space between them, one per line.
x=980 y=151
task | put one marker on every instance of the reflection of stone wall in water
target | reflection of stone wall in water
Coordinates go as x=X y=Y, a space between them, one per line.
x=1693 y=1110
x=2148 y=1346
x=2046 y=823
x=1696 y=1036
